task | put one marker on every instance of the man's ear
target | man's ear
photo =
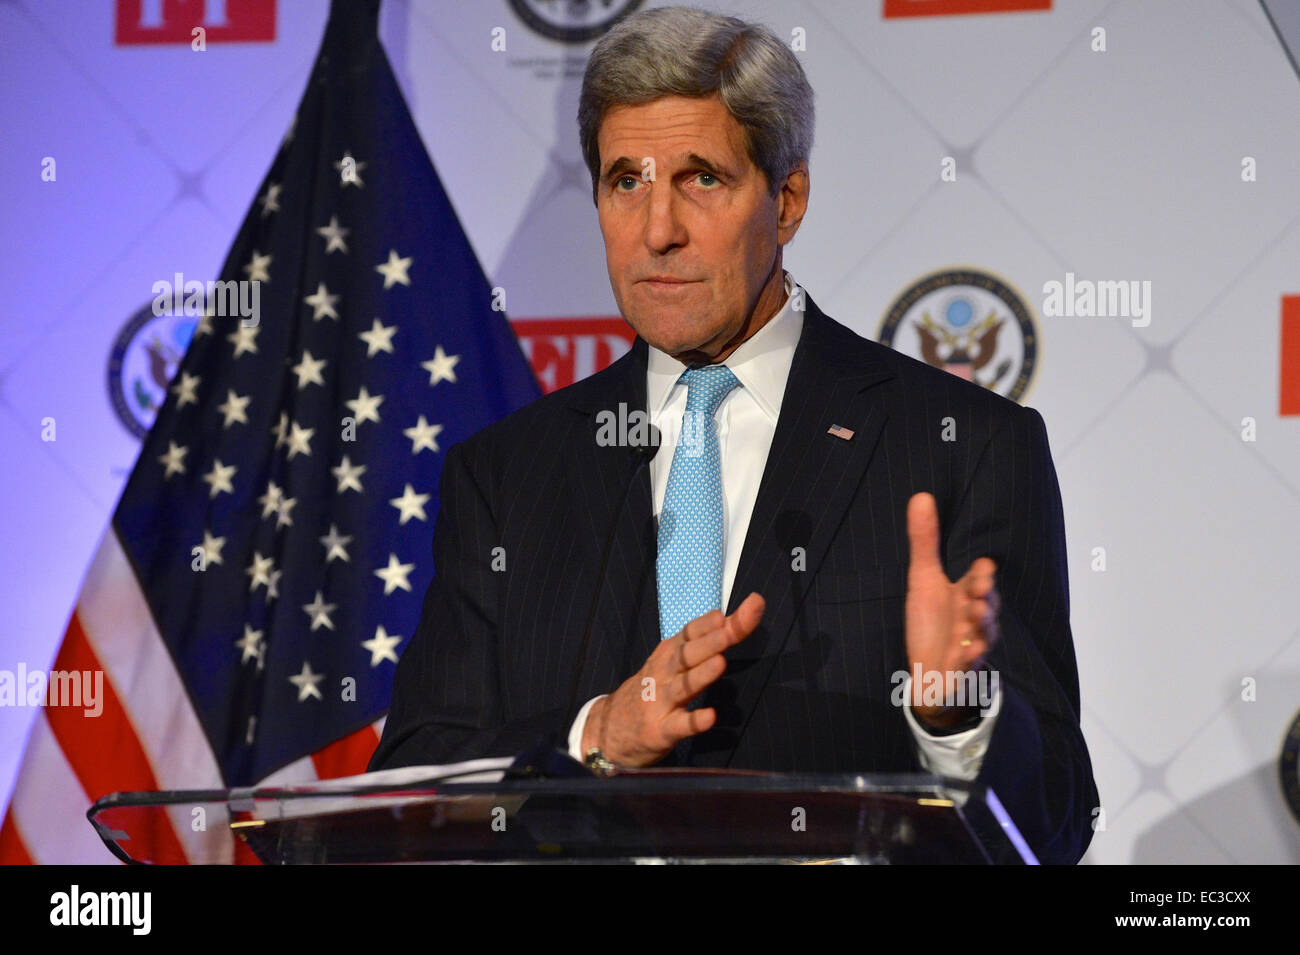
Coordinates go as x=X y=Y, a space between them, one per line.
x=792 y=203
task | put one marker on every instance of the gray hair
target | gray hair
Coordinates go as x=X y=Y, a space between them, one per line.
x=681 y=51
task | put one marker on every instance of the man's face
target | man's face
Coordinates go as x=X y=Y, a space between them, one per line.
x=694 y=251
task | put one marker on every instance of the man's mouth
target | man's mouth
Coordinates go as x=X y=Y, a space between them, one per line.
x=666 y=283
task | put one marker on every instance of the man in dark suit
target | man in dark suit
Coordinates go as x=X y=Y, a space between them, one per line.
x=824 y=489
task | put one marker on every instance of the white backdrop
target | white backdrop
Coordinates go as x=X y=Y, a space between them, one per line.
x=1115 y=165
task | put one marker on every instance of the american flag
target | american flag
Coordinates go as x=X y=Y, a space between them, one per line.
x=269 y=555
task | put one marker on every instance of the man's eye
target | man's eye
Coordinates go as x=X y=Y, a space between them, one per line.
x=623 y=179
x=707 y=175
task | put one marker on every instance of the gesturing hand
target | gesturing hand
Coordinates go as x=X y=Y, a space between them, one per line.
x=640 y=722
x=950 y=626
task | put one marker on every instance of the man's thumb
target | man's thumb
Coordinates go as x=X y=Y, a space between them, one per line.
x=923 y=530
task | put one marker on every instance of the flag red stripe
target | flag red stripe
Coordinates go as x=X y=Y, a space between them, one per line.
x=1289 y=387
x=13 y=851
x=245 y=855
x=104 y=751
x=348 y=756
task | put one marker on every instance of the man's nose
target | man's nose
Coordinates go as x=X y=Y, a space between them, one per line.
x=664 y=229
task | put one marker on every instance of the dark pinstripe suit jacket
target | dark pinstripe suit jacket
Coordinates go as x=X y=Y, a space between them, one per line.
x=491 y=666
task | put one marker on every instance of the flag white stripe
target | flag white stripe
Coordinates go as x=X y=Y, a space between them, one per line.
x=49 y=806
x=121 y=632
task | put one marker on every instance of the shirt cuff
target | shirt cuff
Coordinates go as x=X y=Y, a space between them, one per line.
x=960 y=754
x=579 y=724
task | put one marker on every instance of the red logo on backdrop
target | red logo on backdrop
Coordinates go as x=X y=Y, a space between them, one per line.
x=1289 y=389
x=174 y=21
x=565 y=350
x=948 y=8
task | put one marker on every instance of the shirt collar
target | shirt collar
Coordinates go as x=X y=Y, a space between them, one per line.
x=761 y=363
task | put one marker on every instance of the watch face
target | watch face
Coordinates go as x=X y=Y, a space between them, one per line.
x=969 y=723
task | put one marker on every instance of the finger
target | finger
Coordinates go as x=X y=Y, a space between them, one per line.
x=689 y=684
x=973 y=646
x=702 y=625
x=735 y=628
x=681 y=724
x=991 y=629
x=745 y=619
x=980 y=578
x=983 y=613
x=697 y=651
x=923 y=531
x=748 y=613
x=696 y=629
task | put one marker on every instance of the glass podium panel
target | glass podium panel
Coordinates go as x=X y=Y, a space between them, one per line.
x=650 y=816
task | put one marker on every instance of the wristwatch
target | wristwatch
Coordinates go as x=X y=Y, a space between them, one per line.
x=969 y=723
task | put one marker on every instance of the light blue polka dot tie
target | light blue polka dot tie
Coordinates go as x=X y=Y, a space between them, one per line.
x=691 y=532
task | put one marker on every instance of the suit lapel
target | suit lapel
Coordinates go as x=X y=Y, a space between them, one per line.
x=598 y=476
x=808 y=482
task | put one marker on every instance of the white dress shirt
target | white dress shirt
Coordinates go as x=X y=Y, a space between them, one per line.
x=746 y=424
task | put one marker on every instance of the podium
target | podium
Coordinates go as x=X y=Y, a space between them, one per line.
x=642 y=816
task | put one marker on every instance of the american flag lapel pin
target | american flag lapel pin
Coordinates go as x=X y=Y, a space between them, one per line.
x=840 y=432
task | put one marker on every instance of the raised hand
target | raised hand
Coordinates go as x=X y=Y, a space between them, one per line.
x=950 y=626
x=640 y=722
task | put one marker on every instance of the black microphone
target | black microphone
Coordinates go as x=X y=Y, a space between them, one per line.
x=642 y=454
